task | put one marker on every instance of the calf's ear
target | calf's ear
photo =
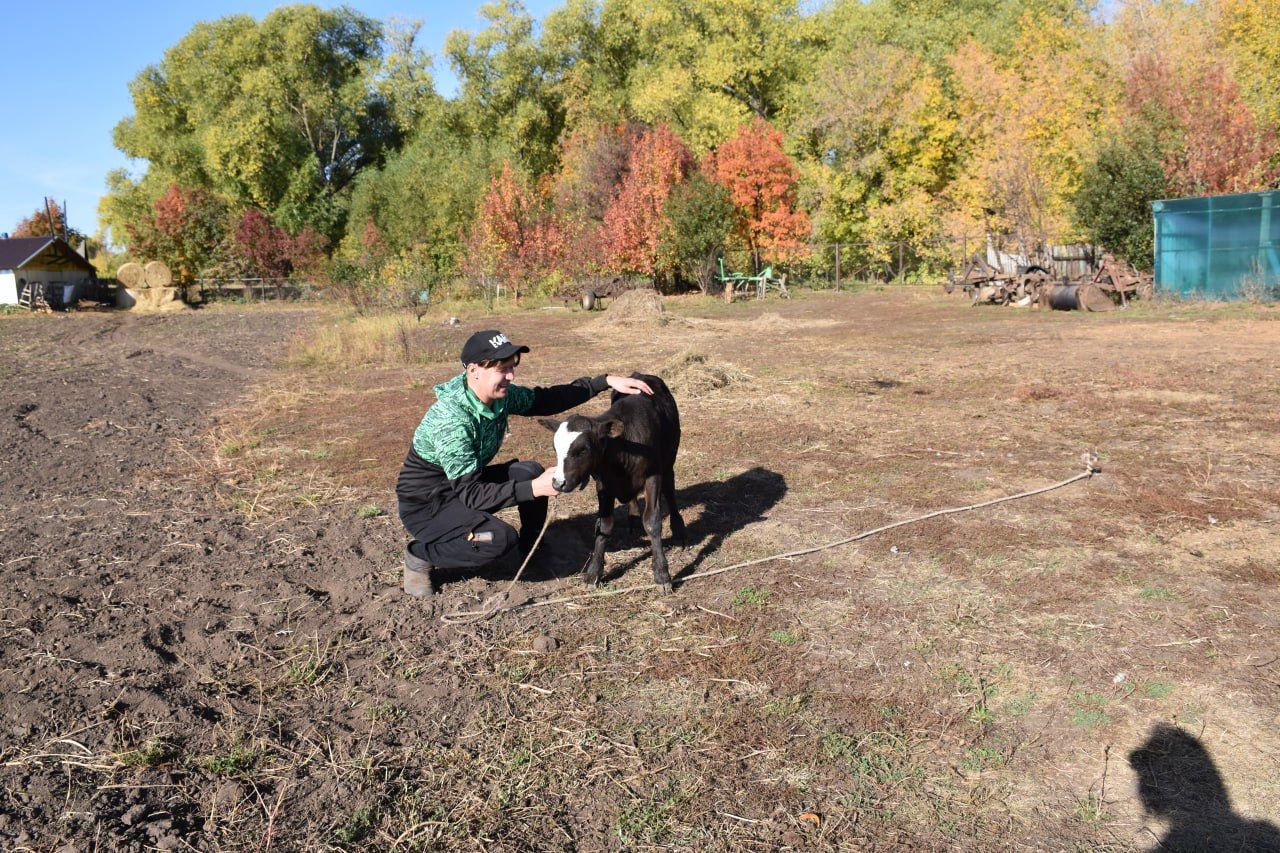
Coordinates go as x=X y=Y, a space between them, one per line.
x=550 y=424
x=611 y=428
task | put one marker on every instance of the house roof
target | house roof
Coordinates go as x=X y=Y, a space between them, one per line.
x=19 y=252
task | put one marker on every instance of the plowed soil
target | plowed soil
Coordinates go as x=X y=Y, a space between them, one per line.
x=203 y=644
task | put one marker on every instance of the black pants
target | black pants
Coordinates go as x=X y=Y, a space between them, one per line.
x=455 y=536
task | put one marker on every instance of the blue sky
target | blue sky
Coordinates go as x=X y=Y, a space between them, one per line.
x=65 y=69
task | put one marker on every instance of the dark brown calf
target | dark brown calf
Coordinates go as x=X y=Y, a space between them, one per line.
x=627 y=450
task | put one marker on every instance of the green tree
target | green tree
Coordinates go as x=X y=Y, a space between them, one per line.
x=588 y=54
x=934 y=30
x=1113 y=204
x=505 y=93
x=707 y=68
x=423 y=199
x=699 y=217
x=280 y=114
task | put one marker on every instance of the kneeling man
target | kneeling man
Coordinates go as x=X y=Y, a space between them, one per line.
x=448 y=491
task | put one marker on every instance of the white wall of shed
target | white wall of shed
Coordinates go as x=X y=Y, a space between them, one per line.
x=47 y=276
x=8 y=288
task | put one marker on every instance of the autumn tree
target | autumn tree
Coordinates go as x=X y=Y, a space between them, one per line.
x=633 y=223
x=45 y=222
x=1214 y=143
x=1030 y=117
x=514 y=238
x=269 y=250
x=761 y=180
x=881 y=143
x=187 y=230
x=593 y=163
x=1252 y=40
x=1192 y=79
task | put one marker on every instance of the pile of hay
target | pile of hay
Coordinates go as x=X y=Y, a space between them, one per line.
x=691 y=375
x=148 y=288
x=640 y=307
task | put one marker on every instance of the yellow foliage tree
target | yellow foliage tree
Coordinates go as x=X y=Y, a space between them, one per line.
x=1031 y=118
x=1251 y=36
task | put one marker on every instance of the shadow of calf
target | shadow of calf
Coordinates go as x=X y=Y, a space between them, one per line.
x=727 y=506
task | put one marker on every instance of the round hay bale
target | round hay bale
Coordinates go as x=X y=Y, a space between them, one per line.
x=158 y=274
x=132 y=276
x=155 y=299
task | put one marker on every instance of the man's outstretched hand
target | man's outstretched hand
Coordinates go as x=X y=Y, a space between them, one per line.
x=627 y=385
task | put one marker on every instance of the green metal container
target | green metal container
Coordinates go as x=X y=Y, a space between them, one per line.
x=1218 y=247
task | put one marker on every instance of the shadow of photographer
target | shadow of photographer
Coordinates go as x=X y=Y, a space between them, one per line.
x=1179 y=783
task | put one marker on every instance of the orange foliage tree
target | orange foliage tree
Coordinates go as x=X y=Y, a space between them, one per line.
x=761 y=180
x=514 y=237
x=633 y=223
x=38 y=224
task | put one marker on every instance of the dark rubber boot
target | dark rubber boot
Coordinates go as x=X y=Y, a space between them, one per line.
x=417 y=575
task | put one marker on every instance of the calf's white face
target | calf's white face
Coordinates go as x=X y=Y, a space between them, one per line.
x=563 y=441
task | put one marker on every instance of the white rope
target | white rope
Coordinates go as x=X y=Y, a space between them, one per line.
x=1090 y=461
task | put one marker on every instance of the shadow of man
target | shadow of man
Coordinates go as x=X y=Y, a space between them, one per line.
x=1180 y=784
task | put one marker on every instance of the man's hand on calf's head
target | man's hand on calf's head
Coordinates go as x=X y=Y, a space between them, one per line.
x=627 y=385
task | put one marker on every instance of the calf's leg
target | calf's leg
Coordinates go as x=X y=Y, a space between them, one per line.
x=653 y=526
x=604 y=526
x=669 y=492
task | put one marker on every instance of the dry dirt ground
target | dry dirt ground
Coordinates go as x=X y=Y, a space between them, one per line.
x=203 y=645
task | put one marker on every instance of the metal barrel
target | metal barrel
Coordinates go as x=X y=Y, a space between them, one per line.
x=1085 y=297
x=1062 y=297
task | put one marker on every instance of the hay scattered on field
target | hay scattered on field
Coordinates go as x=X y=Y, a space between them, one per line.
x=635 y=308
x=690 y=374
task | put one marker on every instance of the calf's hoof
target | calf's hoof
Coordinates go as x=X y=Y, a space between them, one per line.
x=665 y=588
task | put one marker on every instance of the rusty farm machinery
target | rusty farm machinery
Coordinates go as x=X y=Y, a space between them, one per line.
x=1111 y=286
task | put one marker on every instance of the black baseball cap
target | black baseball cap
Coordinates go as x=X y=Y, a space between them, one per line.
x=489 y=345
